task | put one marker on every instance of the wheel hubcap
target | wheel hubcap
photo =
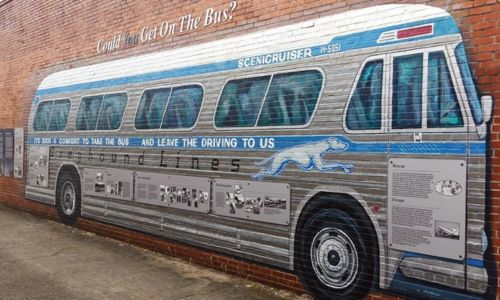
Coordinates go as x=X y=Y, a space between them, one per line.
x=334 y=258
x=68 y=198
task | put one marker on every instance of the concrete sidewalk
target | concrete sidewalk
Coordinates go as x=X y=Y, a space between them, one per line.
x=42 y=259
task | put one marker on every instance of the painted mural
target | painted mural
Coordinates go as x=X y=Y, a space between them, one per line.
x=345 y=152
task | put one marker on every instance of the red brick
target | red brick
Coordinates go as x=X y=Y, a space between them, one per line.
x=38 y=37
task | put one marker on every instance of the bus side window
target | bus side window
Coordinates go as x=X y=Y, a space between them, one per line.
x=365 y=109
x=407 y=92
x=240 y=102
x=468 y=82
x=443 y=109
x=183 y=107
x=59 y=116
x=291 y=99
x=150 y=111
x=88 y=113
x=113 y=106
x=42 y=116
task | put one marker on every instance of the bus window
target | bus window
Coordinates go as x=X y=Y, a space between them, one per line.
x=42 y=116
x=52 y=115
x=110 y=117
x=88 y=112
x=183 y=107
x=150 y=111
x=364 y=111
x=468 y=82
x=291 y=98
x=59 y=115
x=240 y=102
x=407 y=92
x=443 y=109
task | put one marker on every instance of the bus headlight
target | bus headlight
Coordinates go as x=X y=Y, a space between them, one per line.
x=484 y=241
x=487 y=104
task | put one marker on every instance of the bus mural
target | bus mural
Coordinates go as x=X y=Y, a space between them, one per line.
x=349 y=149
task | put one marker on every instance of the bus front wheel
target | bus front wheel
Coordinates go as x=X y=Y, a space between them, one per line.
x=68 y=197
x=334 y=262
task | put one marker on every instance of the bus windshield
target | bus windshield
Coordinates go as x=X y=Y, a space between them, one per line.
x=470 y=89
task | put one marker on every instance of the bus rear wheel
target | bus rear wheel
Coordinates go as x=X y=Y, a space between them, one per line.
x=334 y=262
x=68 y=197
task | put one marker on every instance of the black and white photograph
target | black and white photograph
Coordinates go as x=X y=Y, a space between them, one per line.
x=253 y=205
x=275 y=202
x=447 y=230
x=100 y=187
x=448 y=187
x=115 y=188
x=163 y=193
x=171 y=193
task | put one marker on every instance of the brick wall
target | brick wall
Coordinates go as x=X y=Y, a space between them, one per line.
x=40 y=37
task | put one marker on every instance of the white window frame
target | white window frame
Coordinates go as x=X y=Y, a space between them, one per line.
x=271 y=76
x=97 y=121
x=384 y=101
x=50 y=116
x=171 y=87
x=463 y=108
x=456 y=76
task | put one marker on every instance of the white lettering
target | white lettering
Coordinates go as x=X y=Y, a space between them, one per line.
x=97 y=141
x=143 y=34
x=219 y=143
x=147 y=142
x=209 y=16
x=69 y=141
x=268 y=59
x=110 y=141
x=123 y=142
x=108 y=46
x=99 y=46
x=167 y=29
x=275 y=58
x=191 y=143
x=308 y=52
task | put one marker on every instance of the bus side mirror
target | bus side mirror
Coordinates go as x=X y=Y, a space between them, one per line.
x=487 y=104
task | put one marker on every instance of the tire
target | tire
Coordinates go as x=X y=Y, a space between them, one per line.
x=68 y=197
x=334 y=261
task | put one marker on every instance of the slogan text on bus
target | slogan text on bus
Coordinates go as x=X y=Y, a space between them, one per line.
x=153 y=32
x=165 y=142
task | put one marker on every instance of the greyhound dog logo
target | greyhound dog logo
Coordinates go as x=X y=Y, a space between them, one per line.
x=307 y=157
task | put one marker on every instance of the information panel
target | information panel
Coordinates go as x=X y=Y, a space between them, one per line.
x=183 y=192
x=259 y=201
x=18 y=152
x=110 y=183
x=2 y=150
x=426 y=209
x=8 y=158
x=38 y=166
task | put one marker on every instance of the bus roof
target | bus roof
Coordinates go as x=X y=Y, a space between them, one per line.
x=363 y=28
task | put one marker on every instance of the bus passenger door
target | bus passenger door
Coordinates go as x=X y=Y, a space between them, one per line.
x=427 y=182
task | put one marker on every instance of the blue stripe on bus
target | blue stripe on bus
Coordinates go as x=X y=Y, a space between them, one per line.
x=450 y=148
x=470 y=261
x=442 y=26
x=413 y=287
x=181 y=72
x=479 y=263
x=478 y=149
x=262 y=143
